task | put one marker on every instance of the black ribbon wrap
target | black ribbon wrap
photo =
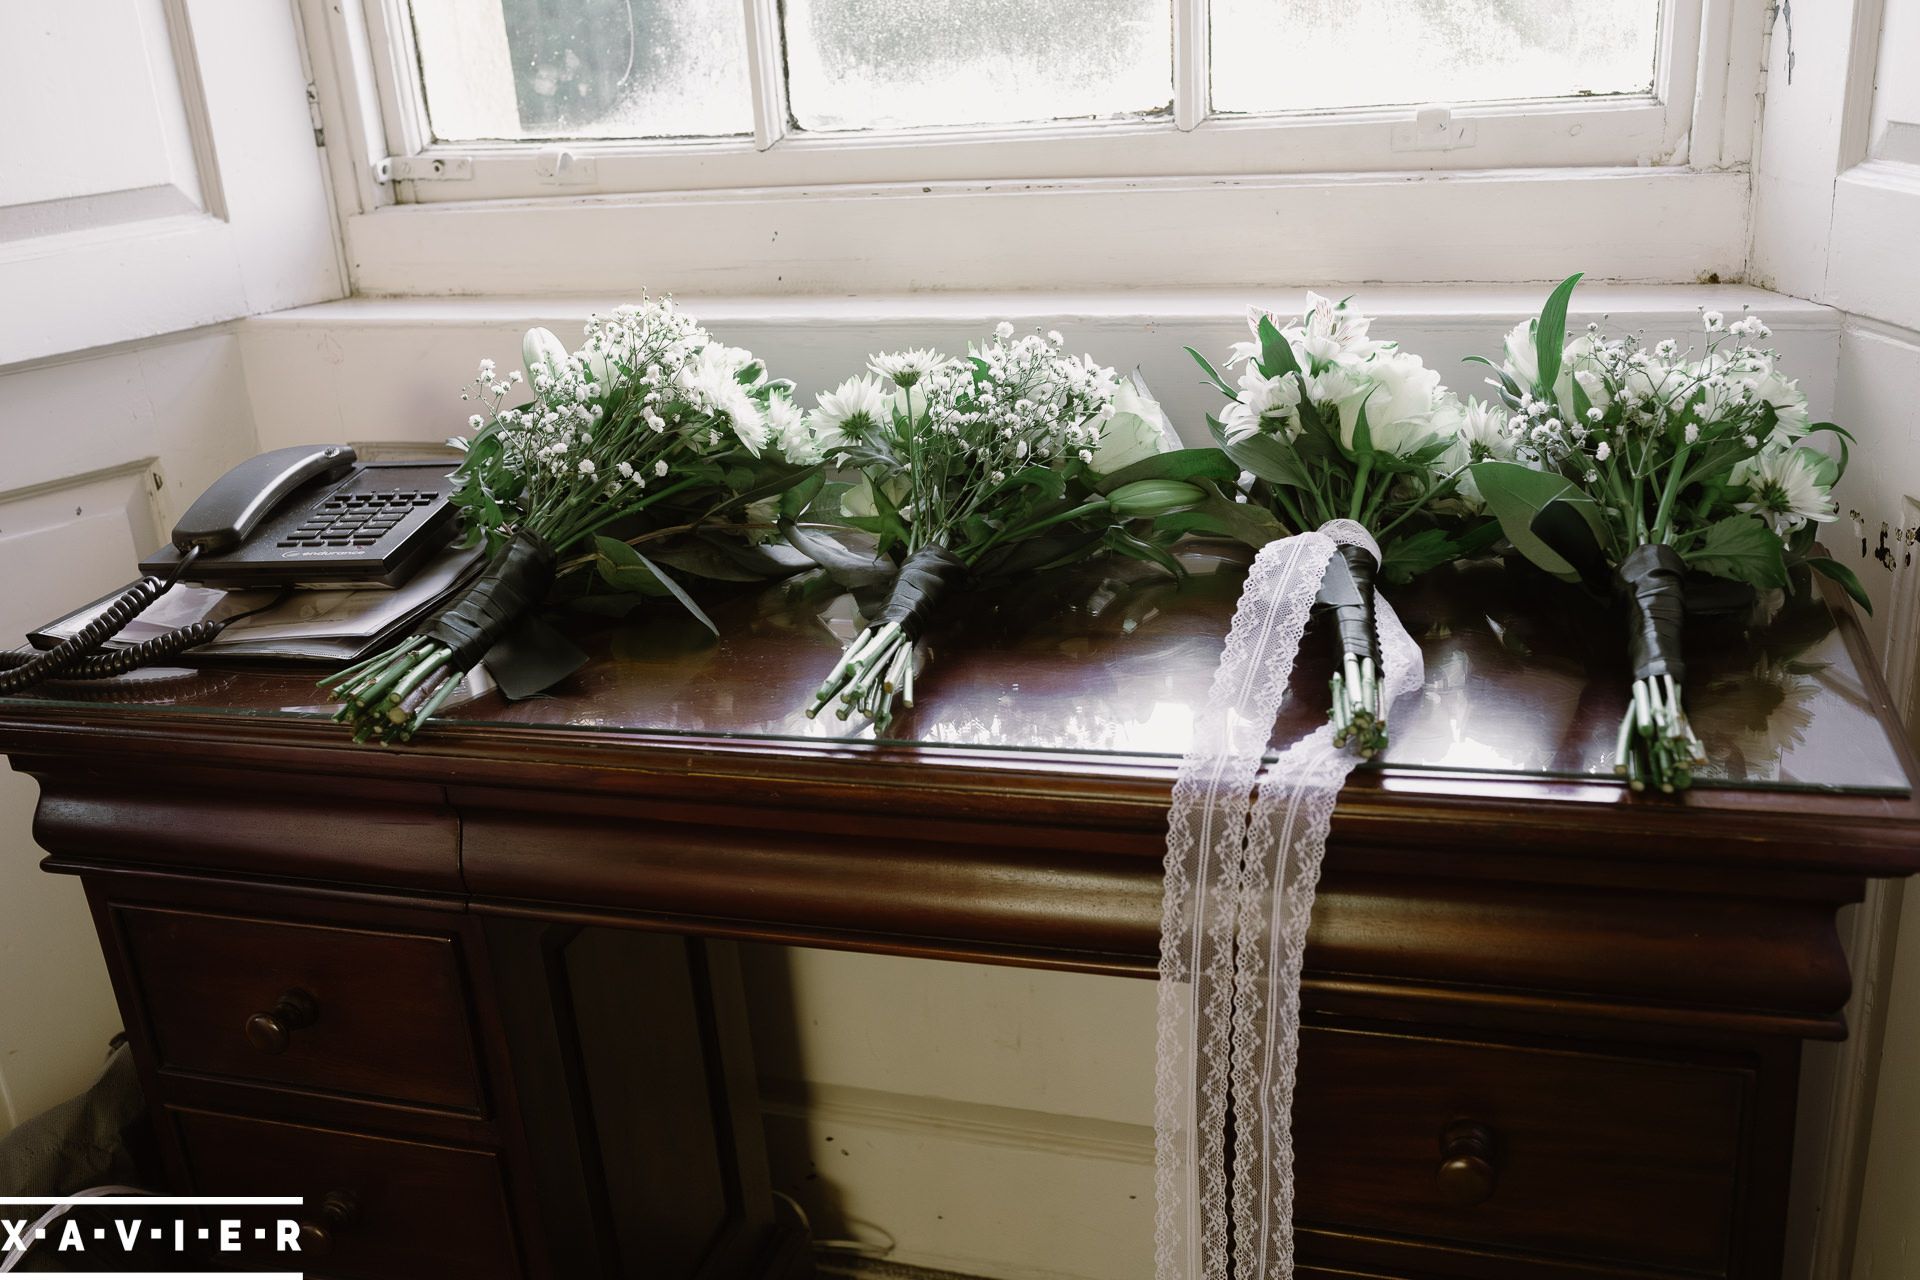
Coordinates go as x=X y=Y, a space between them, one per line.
x=508 y=589
x=1347 y=593
x=1652 y=580
x=927 y=577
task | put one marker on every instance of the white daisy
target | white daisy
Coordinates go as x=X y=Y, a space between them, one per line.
x=855 y=409
x=1785 y=489
x=905 y=368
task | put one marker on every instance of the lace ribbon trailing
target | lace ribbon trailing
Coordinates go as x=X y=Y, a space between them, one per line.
x=1241 y=869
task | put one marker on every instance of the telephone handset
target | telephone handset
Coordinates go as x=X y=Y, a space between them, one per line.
x=312 y=516
x=223 y=516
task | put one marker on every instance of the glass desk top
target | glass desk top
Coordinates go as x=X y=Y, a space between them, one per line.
x=1523 y=677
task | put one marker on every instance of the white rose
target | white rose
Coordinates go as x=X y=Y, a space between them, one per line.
x=1400 y=395
x=859 y=501
x=540 y=347
x=1522 y=362
x=1138 y=429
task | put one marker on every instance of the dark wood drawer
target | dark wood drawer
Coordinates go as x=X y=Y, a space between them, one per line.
x=1554 y=1153
x=402 y=1210
x=347 y=1011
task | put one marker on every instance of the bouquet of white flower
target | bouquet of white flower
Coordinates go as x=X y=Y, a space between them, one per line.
x=1331 y=424
x=1650 y=464
x=650 y=423
x=1016 y=458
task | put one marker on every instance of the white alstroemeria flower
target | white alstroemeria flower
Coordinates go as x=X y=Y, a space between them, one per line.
x=1138 y=429
x=1330 y=331
x=541 y=349
x=905 y=368
x=852 y=411
x=1786 y=488
x=1400 y=395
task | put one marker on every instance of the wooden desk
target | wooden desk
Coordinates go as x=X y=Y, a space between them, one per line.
x=476 y=988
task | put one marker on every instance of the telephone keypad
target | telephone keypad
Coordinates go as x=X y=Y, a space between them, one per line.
x=356 y=519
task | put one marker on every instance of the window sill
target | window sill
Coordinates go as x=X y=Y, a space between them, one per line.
x=1634 y=224
x=392 y=368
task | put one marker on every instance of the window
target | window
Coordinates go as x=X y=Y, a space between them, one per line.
x=676 y=94
x=833 y=146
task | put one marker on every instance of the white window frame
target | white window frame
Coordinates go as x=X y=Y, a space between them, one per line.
x=1640 y=129
x=1353 y=172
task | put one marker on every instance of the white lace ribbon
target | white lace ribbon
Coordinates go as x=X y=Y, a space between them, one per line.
x=1241 y=869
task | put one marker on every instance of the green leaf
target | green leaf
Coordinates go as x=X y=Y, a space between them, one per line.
x=1507 y=384
x=795 y=501
x=1126 y=544
x=1404 y=559
x=1848 y=580
x=1221 y=517
x=846 y=567
x=1741 y=548
x=1516 y=496
x=1550 y=336
x=1178 y=464
x=623 y=568
x=728 y=559
x=1276 y=353
x=1212 y=376
x=1268 y=457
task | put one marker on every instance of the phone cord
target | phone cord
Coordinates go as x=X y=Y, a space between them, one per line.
x=70 y=652
x=104 y=666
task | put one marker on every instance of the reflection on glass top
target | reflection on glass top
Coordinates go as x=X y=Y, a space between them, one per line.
x=1523 y=676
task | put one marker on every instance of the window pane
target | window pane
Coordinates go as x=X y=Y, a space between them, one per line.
x=879 y=64
x=1290 y=55
x=583 y=68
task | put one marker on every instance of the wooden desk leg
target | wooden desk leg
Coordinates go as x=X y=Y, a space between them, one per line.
x=634 y=1069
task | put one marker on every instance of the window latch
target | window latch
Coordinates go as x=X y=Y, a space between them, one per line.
x=423 y=169
x=562 y=167
x=1433 y=129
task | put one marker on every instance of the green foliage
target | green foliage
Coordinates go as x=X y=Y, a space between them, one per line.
x=1550 y=333
x=623 y=567
x=1516 y=495
x=1740 y=547
x=1840 y=573
x=1175 y=464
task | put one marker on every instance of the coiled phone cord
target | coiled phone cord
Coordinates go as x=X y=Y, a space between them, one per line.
x=104 y=666
x=76 y=656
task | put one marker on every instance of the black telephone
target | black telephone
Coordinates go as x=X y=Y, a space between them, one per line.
x=312 y=516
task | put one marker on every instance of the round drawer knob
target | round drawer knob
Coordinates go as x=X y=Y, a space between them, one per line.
x=272 y=1031
x=335 y=1212
x=1468 y=1173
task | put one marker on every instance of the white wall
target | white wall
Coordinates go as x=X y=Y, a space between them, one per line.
x=103 y=450
x=1836 y=201
x=158 y=174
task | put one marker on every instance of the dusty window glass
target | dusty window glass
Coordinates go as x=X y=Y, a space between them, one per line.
x=887 y=64
x=1299 y=55
x=583 y=68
